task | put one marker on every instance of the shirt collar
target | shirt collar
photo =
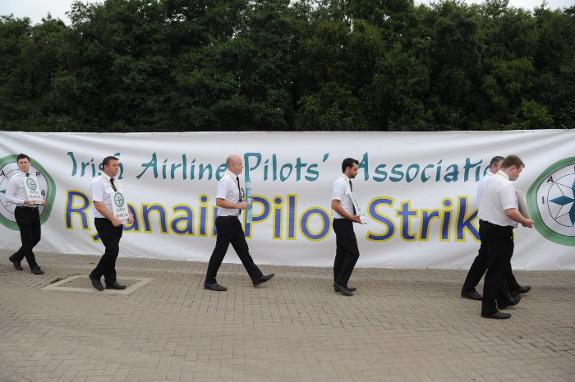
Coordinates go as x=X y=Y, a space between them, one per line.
x=345 y=177
x=106 y=176
x=234 y=176
x=503 y=174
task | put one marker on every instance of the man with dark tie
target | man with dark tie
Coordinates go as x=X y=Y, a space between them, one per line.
x=344 y=215
x=479 y=265
x=229 y=199
x=26 y=213
x=109 y=227
x=498 y=215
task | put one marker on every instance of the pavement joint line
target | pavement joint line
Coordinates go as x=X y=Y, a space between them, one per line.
x=57 y=286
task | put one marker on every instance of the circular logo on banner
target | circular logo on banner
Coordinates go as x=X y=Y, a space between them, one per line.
x=8 y=168
x=551 y=202
x=119 y=199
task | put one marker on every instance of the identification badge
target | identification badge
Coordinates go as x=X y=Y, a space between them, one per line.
x=358 y=210
x=248 y=196
x=120 y=207
x=522 y=206
x=33 y=192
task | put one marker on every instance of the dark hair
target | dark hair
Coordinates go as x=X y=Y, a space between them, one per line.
x=107 y=160
x=348 y=162
x=22 y=156
x=496 y=159
x=512 y=160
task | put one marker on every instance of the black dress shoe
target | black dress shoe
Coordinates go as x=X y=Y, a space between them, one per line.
x=497 y=315
x=263 y=279
x=511 y=301
x=471 y=294
x=37 y=270
x=351 y=289
x=96 y=283
x=521 y=290
x=115 y=285
x=343 y=290
x=16 y=263
x=215 y=287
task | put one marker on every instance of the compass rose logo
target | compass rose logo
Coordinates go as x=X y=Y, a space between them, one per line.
x=562 y=207
x=119 y=199
x=31 y=183
x=551 y=202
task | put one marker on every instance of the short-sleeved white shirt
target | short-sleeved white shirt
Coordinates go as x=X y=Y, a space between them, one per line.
x=496 y=194
x=489 y=173
x=16 y=191
x=228 y=190
x=102 y=191
x=341 y=191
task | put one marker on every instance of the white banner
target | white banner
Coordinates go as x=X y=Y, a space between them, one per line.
x=418 y=191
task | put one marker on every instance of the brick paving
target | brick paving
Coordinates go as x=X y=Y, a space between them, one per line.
x=402 y=325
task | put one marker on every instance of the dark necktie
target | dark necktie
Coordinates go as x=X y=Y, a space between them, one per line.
x=113 y=185
x=239 y=191
x=351 y=189
x=27 y=175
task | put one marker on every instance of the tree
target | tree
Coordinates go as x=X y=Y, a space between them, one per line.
x=180 y=65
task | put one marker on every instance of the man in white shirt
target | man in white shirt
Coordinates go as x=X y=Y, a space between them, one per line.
x=498 y=215
x=109 y=228
x=479 y=266
x=230 y=202
x=344 y=215
x=27 y=215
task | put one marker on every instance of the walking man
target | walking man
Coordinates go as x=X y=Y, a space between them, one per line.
x=229 y=199
x=26 y=213
x=344 y=215
x=109 y=228
x=479 y=266
x=498 y=215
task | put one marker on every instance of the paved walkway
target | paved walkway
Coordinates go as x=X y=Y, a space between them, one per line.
x=402 y=325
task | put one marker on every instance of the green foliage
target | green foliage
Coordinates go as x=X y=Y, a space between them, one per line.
x=203 y=65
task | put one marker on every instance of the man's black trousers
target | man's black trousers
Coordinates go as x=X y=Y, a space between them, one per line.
x=346 y=253
x=499 y=246
x=110 y=237
x=28 y=220
x=230 y=230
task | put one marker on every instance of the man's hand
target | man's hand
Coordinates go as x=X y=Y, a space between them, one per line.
x=356 y=219
x=130 y=219
x=528 y=223
x=243 y=205
x=515 y=215
x=116 y=222
x=28 y=202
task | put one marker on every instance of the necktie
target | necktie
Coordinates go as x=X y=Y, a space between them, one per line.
x=113 y=185
x=27 y=175
x=239 y=191
x=351 y=189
